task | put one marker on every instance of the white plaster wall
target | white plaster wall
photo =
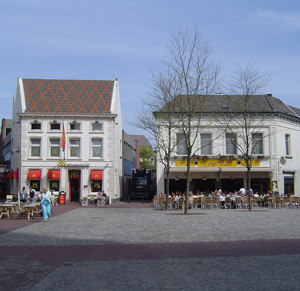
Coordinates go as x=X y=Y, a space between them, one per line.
x=117 y=130
x=274 y=131
x=292 y=162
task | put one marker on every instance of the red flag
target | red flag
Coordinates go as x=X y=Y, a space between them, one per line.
x=63 y=139
x=16 y=174
x=10 y=175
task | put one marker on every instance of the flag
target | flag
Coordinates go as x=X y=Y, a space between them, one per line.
x=16 y=174
x=63 y=139
x=10 y=175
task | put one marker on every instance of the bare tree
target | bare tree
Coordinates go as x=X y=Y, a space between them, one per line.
x=245 y=121
x=178 y=95
x=162 y=92
x=194 y=73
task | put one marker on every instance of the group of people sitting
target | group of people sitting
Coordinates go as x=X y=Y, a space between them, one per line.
x=100 y=199
x=233 y=196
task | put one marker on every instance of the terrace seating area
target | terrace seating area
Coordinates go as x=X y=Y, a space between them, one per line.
x=99 y=200
x=230 y=202
x=11 y=209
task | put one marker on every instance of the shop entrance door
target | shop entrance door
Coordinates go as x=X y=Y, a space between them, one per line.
x=74 y=178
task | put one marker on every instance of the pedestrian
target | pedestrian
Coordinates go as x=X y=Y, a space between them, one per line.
x=46 y=204
x=31 y=194
x=23 y=195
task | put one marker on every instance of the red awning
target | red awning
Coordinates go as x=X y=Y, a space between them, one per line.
x=34 y=174
x=54 y=174
x=96 y=174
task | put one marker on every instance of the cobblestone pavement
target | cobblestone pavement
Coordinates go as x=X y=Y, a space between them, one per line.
x=144 y=249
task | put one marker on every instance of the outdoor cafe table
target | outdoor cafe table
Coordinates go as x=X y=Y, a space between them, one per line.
x=8 y=209
x=30 y=209
x=25 y=209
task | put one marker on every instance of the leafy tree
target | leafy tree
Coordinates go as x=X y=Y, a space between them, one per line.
x=147 y=157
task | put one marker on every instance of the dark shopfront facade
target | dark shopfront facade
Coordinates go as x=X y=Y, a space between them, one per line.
x=260 y=185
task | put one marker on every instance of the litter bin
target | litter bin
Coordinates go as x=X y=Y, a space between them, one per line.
x=62 y=197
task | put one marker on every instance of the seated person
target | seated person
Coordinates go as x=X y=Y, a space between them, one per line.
x=222 y=200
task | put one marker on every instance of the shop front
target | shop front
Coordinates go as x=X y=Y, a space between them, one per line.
x=75 y=181
x=74 y=185
x=96 y=177
x=230 y=175
x=54 y=179
x=34 y=177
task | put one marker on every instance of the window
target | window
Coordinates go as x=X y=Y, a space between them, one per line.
x=257 y=143
x=230 y=144
x=181 y=145
x=96 y=126
x=206 y=144
x=35 y=126
x=96 y=147
x=54 y=126
x=54 y=147
x=35 y=184
x=54 y=185
x=96 y=185
x=35 y=147
x=287 y=145
x=75 y=148
x=75 y=126
x=289 y=184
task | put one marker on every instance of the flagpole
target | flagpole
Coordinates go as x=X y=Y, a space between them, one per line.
x=63 y=141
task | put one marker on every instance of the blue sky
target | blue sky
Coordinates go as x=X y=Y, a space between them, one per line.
x=127 y=39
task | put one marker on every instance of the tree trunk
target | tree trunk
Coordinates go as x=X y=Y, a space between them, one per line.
x=249 y=188
x=167 y=188
x=186 y=207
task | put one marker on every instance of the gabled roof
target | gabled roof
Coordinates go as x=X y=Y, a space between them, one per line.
x=215 y=104
x=68 y=96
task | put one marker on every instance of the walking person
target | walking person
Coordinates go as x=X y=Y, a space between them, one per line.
x=46 y=204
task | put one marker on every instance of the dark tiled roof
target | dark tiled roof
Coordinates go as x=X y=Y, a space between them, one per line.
x=296 y=110
x=230 y=103
x=68 y=96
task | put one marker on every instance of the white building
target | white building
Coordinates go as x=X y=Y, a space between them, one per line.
x=87 y=115
x=217 y=164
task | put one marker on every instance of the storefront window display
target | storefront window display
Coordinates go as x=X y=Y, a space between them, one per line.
x=54 y=185
x=35 y=184
x=96 y=185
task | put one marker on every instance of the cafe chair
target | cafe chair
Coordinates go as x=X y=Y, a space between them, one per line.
x=84 y=202
x=101 y=201
x=228 y=202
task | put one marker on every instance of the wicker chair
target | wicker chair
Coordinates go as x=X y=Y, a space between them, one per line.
x=214 y=202
x=84 y=202
x=228 y=202
x=238 y=202
x=276 y=202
